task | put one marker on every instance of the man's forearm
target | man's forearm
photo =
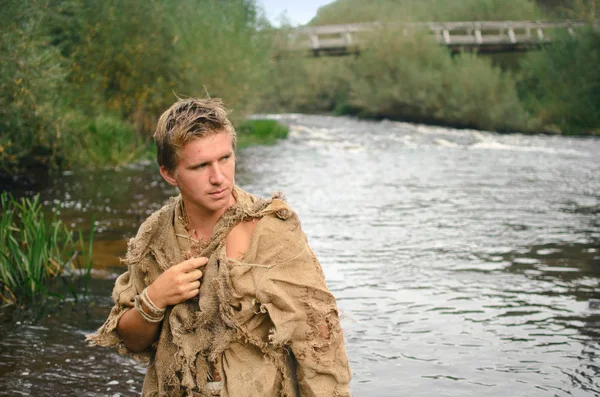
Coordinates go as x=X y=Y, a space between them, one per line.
x=137 y=333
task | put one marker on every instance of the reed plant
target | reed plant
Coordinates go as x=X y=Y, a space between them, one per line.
x=39 y=257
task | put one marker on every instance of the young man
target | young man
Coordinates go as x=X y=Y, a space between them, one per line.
x=223 y=295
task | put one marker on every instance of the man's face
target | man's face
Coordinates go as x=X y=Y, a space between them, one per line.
x=205 y=174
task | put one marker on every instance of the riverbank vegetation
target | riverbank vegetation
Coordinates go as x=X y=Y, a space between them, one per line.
x=83 y=82
x=260 y=132
x=410 y=77
x=39 y=257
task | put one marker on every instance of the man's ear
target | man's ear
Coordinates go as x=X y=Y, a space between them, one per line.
x=168 y=176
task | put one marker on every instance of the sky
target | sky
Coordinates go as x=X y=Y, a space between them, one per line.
x=299 y=12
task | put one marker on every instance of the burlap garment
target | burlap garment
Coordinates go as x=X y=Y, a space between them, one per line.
x=259 y=320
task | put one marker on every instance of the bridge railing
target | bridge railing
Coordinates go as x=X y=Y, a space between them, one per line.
x=483 y=35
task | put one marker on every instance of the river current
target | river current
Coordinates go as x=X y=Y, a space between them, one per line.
x=464 y=262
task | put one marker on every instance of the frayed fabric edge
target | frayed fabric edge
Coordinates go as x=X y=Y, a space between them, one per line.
x=107 y=336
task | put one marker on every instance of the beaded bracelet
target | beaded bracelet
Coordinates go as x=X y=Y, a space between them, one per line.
x=157 y=314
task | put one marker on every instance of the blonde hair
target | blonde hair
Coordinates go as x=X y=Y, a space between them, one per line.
x=186 y=120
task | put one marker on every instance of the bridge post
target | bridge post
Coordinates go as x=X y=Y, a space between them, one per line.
x=478 y=36
x=540 y=34
x=511 y=33
x=314 y=40
x=446 y=34
x=348 y=38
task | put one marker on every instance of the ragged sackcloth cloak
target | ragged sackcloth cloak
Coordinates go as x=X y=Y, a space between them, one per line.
x=267 y=323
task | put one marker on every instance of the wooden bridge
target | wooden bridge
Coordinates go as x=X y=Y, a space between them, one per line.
x=483 y=36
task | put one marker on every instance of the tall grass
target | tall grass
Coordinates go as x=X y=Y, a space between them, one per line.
x=39 y=257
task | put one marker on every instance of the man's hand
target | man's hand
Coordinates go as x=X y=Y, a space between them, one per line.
x=177 y=284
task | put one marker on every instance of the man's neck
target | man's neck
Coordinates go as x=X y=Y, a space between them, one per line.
x=202 y=221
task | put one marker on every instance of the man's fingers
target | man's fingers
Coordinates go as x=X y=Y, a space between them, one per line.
x=194 y=263
x=195 y=285
x=193 y=275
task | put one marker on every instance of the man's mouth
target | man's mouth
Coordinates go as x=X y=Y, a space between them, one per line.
x=218 y=193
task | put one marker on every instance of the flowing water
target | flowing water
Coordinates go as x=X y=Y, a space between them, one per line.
x=465 y=263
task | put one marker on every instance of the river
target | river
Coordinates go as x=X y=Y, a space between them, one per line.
x=464 y=262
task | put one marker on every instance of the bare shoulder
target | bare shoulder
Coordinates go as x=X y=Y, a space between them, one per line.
x=239 y=238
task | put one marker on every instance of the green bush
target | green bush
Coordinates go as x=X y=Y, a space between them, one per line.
x=34 y=252
x=572 y=9
x=306 y=84
x=260 y=132
x=561 y=85
x=100 y=142
x=222 y=48
x=31 y=79
x=410 y=77
x=477 y=94
x=355 y=11
x=72 y=68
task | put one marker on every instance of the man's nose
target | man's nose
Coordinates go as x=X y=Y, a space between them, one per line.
x=216 y=176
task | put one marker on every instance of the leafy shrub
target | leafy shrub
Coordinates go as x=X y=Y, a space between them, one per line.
x=102 y=141
x=31 y=78
x=304 y=84
x=410 y=77
x=348 y=11
x=260 y=132
x=561 y=85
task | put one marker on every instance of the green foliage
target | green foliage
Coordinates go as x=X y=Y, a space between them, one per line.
x=104 y=140
x=572 y=9
x=306 y=84
x=476 y=94
x=32 y=74
x=222 y=48
x=121 y=56
x=260 y=132
x=83 y=82
x=349 y=11
x=33 y=252
x=407 y=77
x=561 y=85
